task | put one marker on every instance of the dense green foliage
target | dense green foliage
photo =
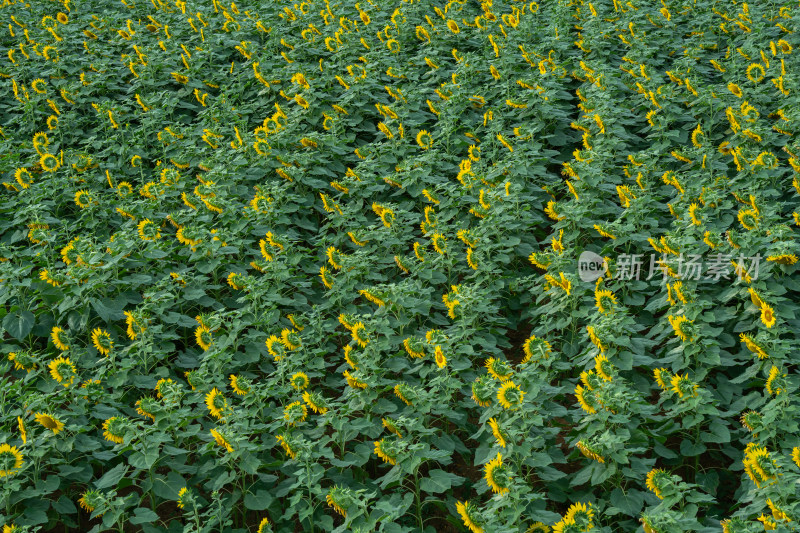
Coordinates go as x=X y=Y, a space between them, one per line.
x=314 y=266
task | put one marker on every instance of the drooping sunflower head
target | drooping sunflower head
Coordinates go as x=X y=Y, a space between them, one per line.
x=659 y=480
x=291 y=339
x=387 y=450
x=114 y=429
x=587 y=399
x=510 y=396
x=216 y=403
x=60 y=339
x=147 y=406
x=497 y=475
x=240 y=385
x=581 y=514
x=288 y=444
x=63 y=371
x=683 y=386
x=50 y=422
x=203 y=337
x=299 y=381
x=22 y=360
x=221 y=439
x=535 y=349
x=663 y=378
x=605 y=300
x=315 y=401
x=590 y=450
x=752 y=421
x=471 y=516
x=264 y=526
x=360 y=334
x=11 y=460
x=497 y=432
x=604 y=368
x=439 y=357
x=340 y=499
x=295 y=412
x=185 y=498
x=102 y=341
x=483 y=390
x=499 y=369
x=91 y=500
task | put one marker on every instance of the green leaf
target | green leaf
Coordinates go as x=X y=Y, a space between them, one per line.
x=112 y=477
x=19 y=323
x=439 y=481
x=143 y=515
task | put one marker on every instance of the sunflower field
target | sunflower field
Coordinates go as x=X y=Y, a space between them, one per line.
x=319 y=266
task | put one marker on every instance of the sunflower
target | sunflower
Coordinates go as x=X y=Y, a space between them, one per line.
x=144 y=406
x=63 y=371
x=497 y=432
x=336 y=500
x=580 y=514
x=263 y=526
x=44 y=275
x=755 y=78
x=384 y=451
x=10 y=460
x=753 y=346
x=768 y=315
x=590 y=451
x=360 y=335
x=240 y=385
x=483 y=390
x=287 y=446
x=683 y=386
x=796 y=456
x=748 y=218
x=499 y=369
x=497 y=475
x=657 y=480
x=603 y=367
x=324 y=275
x=315 y=402
x=771 y=387
x=509 y=395
x=414 y=347
x=439 y=357
x=586 y=399
x=604 y=300
x=291 y=339
x=535 y=347
x=783 y=259
x=470 y=516
x=353 y=382
x=299 y=381
x=221 y=440
x=49 y=162
x=452 y=25
x=295 y=412
x=184 y=498
x=737 y=92
x=682 y=327
x=538 y=527
x=424 y=139
x=148 y=230
x=216 y=403
x=102 y=341
x=114 y=429
x=751 y=420
x=90 y=500
x=23 y=177
x=663 y=378
x=50 y=422
x=59 y=339
x=23 y=434
x=404 y=392
x=203 y=337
